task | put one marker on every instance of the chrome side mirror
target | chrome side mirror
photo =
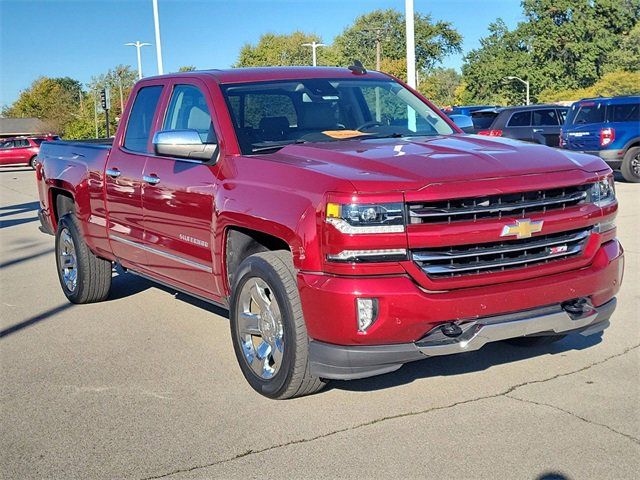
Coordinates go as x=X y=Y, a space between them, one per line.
x=183 y=144
x=464 y=122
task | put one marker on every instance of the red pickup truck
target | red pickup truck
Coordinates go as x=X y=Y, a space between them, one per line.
x=348 y=226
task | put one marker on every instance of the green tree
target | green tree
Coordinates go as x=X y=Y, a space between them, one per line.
x=563 y=44
x=627 y=57
x=187 y=68
x=281 y=50
x=611 y=84
x=501 y=54
x=440 y=86
x=434 y=40
x=55 y=100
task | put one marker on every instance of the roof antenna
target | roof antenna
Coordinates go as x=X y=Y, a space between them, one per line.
x=357 y=68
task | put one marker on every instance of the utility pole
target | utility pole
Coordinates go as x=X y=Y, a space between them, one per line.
x=119 y=74
x=314 y=46
x=95 y=111
x=138 y=46
x=156 y=22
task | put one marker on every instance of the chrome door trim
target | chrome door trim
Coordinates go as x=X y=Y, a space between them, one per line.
x=113 y=172
x=170 y=256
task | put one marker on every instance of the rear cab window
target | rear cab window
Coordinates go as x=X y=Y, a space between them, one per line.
x=139 y=126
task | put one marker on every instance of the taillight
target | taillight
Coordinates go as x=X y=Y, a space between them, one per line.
x=491 y=133
x=607 y=136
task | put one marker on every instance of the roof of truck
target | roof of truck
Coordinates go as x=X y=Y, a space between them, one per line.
x=261 y=74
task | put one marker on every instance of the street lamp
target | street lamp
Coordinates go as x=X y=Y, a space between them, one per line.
x=526 y=84
x=314 y=45
x=138 y=46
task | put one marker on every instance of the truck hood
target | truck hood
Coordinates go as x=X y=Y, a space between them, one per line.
x=415 y=162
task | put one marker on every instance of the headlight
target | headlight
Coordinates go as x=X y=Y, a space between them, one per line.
x=366 y=218
x=603 y=192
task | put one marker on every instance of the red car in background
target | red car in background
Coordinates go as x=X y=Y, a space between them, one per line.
x=22 y=150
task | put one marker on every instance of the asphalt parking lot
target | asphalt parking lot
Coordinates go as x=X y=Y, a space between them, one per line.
x=145 y=385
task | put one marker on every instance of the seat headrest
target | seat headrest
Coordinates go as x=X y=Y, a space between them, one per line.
x=274 y=126
x=319 y=116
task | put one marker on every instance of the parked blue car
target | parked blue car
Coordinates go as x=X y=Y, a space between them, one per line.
x=609 y=128
x=466 y=109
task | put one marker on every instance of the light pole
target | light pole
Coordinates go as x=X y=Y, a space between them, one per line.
x=156 y=22
x=411 y=43
x=138 y=46
x=526 y=84
x=314 y=46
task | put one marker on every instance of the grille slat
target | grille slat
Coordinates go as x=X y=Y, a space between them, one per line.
x=495 y=206
x=499 y=256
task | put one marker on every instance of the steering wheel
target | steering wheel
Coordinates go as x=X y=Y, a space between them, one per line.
x=370 y=123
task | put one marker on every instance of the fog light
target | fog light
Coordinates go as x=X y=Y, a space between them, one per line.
x=367 y=312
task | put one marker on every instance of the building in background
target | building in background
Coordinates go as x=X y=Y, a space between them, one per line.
x=16 y=127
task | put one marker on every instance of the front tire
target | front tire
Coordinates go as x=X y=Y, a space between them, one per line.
x=33 y=161
x=267 y=327
x=84 y=278
x=630 y=167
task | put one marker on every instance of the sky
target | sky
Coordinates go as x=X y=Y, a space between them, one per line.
x=83 y=38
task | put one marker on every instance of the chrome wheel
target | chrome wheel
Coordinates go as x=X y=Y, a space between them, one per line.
x=635 y=165
x=260 y=328
x=67 y=260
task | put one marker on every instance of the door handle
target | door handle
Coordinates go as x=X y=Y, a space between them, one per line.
x=151 y=179
x=113 y=172
x=538 y=130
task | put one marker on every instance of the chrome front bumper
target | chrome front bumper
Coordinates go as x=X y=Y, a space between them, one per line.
x=349 y=362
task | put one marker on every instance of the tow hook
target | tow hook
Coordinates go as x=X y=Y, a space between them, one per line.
x=577 y=306
x=451 y=330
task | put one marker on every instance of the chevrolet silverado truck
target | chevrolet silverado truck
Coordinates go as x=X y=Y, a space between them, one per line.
x=347 y=225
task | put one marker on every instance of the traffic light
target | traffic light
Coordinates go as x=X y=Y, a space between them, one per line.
x=103 y=99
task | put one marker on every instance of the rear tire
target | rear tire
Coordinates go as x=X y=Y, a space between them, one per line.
x=630 y=167
x=268 y=329
x=535 y=341
x=84 y=278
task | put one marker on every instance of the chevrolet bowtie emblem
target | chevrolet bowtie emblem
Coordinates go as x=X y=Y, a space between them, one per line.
x=522 y=228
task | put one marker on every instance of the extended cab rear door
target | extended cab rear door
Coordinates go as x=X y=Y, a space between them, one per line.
x=178 y=195
x=123 y=176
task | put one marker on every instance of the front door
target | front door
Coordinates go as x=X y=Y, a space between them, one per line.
x=123 y=179
x=546 y=127
x=178 y=199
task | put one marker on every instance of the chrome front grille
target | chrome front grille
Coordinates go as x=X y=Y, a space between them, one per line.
x=500 y=256
x=497 y=206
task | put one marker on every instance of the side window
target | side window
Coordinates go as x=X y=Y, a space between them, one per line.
x=629 y=112
x=543 y=118
x=563 y=115
x=140 y=118
x=8 y=144
x=520 y=119
x=188 y=110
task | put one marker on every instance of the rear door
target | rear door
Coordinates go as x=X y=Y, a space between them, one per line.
x=624 y=119
x=583 y=126
x=518 y=126
x=546 y=127
x=123 y=177
x=178 y=196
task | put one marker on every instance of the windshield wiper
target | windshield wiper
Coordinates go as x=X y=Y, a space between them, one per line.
x=265 y=146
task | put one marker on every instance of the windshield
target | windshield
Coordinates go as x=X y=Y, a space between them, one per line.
x=269 y=115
